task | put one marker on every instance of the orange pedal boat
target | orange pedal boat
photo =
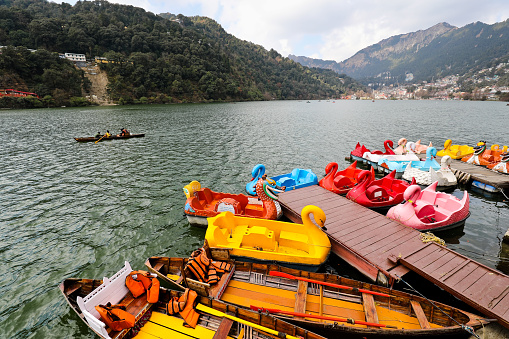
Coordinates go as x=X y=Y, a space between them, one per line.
x=204 y=203
x=483 y=156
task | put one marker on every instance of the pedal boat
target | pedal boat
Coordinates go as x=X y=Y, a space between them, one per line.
x=327 y=304
x=375 y=155
x=428 y=171
x=378 y=195
x=429 y=210
x=340 y=182
x=303 y=246
x=502 y=166
x=204 y=203
x=455 y=151
x=417 y=148
x=482 y=156
x=358 y=152
x=153 y=320
x=444 y=176
x=297 y=178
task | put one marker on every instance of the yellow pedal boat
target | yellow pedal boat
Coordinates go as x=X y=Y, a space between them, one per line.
x=455 y=151
x=300 y=246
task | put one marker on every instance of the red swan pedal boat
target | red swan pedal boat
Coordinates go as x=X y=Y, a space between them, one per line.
x=378 y=195
x=358 y=152
x=429 y=210
x=341 y=182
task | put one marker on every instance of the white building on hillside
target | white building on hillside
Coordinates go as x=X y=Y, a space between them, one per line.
x=75 y=57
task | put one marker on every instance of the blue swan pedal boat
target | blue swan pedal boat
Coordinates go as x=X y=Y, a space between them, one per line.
x=298 y=178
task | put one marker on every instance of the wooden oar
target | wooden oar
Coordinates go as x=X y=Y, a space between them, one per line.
x=206 y=309
x=323 y=317
x=100 y=139
x=354 y=289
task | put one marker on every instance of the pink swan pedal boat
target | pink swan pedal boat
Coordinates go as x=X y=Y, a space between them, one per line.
x=341 y=182
x=204 y=203
x=378 y=195
x=429 y=210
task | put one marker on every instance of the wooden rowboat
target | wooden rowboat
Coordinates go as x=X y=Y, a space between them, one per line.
x=113 y=137
x=152 y=321
x=315 y=302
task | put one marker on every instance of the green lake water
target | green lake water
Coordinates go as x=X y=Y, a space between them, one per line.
x=70 y=209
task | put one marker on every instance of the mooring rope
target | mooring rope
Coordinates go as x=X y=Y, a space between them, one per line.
x=428 y=236
x=465 y=327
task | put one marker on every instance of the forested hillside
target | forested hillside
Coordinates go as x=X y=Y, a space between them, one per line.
x=151 y=58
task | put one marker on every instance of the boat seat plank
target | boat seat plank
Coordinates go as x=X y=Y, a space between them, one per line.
x=223 y=329
x=421 y=317
x=301 y=297
x=369 y=308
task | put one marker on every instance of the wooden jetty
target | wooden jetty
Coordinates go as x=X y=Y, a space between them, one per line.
x=384 y=250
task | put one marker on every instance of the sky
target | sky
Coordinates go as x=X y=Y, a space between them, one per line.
x=327 y=29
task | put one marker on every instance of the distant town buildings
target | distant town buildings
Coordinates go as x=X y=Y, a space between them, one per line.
x=484 y=84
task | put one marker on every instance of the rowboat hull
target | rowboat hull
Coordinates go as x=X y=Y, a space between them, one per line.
x=154 y=322
x=251 y=284
x=113 y=137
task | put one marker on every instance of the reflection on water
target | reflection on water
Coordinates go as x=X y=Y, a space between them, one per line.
x=71 y=209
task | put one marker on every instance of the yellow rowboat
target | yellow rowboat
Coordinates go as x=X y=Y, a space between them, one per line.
x=301 y=246
x=215 y=319
x=330 y=305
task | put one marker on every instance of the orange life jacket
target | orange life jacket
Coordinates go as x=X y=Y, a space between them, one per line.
x=144 y=282
x=185 y=307
x=198 y=264
x=115 y=316
x=204 y=269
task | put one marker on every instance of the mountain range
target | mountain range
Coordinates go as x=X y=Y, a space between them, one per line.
x=436 y=52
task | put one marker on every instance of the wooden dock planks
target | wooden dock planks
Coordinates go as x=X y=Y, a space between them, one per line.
x=376 y=245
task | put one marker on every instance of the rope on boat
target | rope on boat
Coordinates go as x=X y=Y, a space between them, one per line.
x=503 y=193
x=428 y=237
x=465 y=327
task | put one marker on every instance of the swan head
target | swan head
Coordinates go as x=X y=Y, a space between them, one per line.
x=447 y=143
x=402 y=142
x=446 y=161
x=389 y=143
x=431 y=152
x=411 y=145
x=258 y=171
x=330 y=166
x=191 y=188
x=318 y=215
x=412 y=193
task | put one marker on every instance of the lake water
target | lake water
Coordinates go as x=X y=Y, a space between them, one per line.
x=71 y=209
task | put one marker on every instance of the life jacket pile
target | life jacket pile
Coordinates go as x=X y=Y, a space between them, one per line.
x=184 y=305
x=115 y=316
x=204 y=269
x=140 y=281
